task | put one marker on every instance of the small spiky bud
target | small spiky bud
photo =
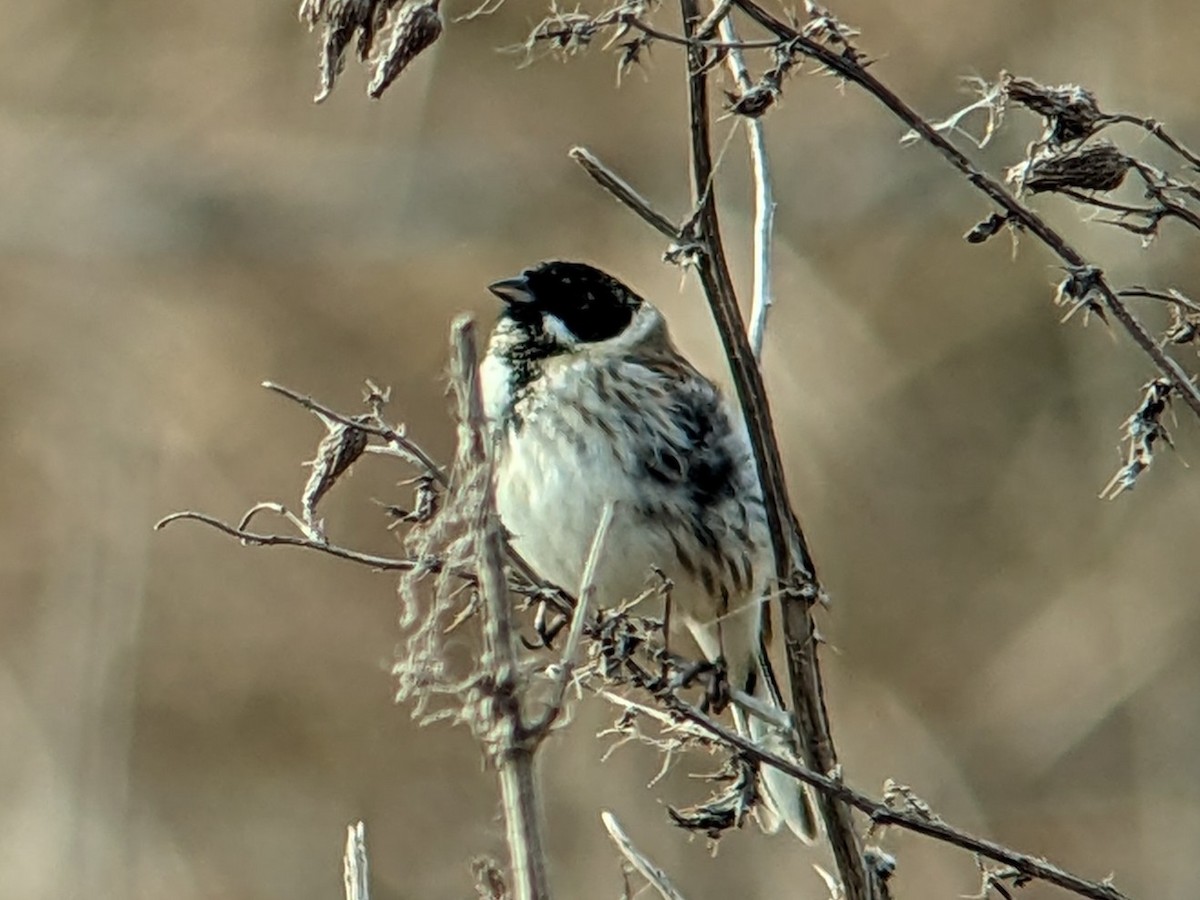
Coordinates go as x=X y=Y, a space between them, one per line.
x=1142 y=431
x=1080 y=290
x=988 y=228
x=1070 y=111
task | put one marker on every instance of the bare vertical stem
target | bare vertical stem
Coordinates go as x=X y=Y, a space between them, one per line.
x=793 y=562
x=764 y=196
x=512 y=742
x=355 y=871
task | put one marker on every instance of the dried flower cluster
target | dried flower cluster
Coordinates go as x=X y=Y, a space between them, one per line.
x=390 y=35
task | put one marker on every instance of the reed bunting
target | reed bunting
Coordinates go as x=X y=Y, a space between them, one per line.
x=590 y=403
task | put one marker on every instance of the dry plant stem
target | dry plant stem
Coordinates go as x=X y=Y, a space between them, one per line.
x=653 y=874
x=355 y=872
x=764 y=197
x=853 y=71
x=880 y=813
x=790 y=549
x=252 y=538
x=623 y=191
x=1154 y=127
x=514 y=744
x=579 y=621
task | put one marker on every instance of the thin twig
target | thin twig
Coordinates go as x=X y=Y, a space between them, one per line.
x=1155 y=128
x=656 y=877
x=625 y=192
x=579 y=621
x=251 y=538
x=1172 y=296
x=513 y=745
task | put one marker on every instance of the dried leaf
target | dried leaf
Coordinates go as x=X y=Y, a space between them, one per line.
x=335 y=454
x=725 y=810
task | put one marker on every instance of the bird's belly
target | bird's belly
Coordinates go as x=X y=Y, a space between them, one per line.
x=550 y=495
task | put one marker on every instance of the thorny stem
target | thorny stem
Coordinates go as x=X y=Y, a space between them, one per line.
x=513 y=745
x=852 y=70
x=790 y=549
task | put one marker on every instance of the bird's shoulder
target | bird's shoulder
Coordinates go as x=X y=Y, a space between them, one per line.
x=690 y=438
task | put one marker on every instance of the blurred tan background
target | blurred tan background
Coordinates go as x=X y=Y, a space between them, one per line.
x=183 y=717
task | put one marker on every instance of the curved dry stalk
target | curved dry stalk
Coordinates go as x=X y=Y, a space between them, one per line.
x=655 y=876
x=764 y=196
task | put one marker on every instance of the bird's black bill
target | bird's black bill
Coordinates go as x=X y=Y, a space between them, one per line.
x=512 y=290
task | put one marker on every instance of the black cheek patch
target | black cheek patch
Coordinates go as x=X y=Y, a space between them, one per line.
x=591 y=320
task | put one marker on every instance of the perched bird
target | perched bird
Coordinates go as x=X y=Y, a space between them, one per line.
x=590 y=402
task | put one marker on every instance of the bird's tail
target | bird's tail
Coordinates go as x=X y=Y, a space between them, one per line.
x=785 y=801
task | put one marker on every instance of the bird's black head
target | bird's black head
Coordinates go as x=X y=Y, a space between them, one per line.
x=589 y=304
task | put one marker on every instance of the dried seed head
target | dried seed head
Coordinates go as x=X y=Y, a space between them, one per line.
x=988 y=228
x=341 y=18
x=1142 y=431
x=726 y=810
x=1070 y=111
x=409 y=32
x=1098 y=167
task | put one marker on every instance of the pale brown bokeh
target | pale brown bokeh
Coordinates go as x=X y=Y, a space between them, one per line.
x=187 y=718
